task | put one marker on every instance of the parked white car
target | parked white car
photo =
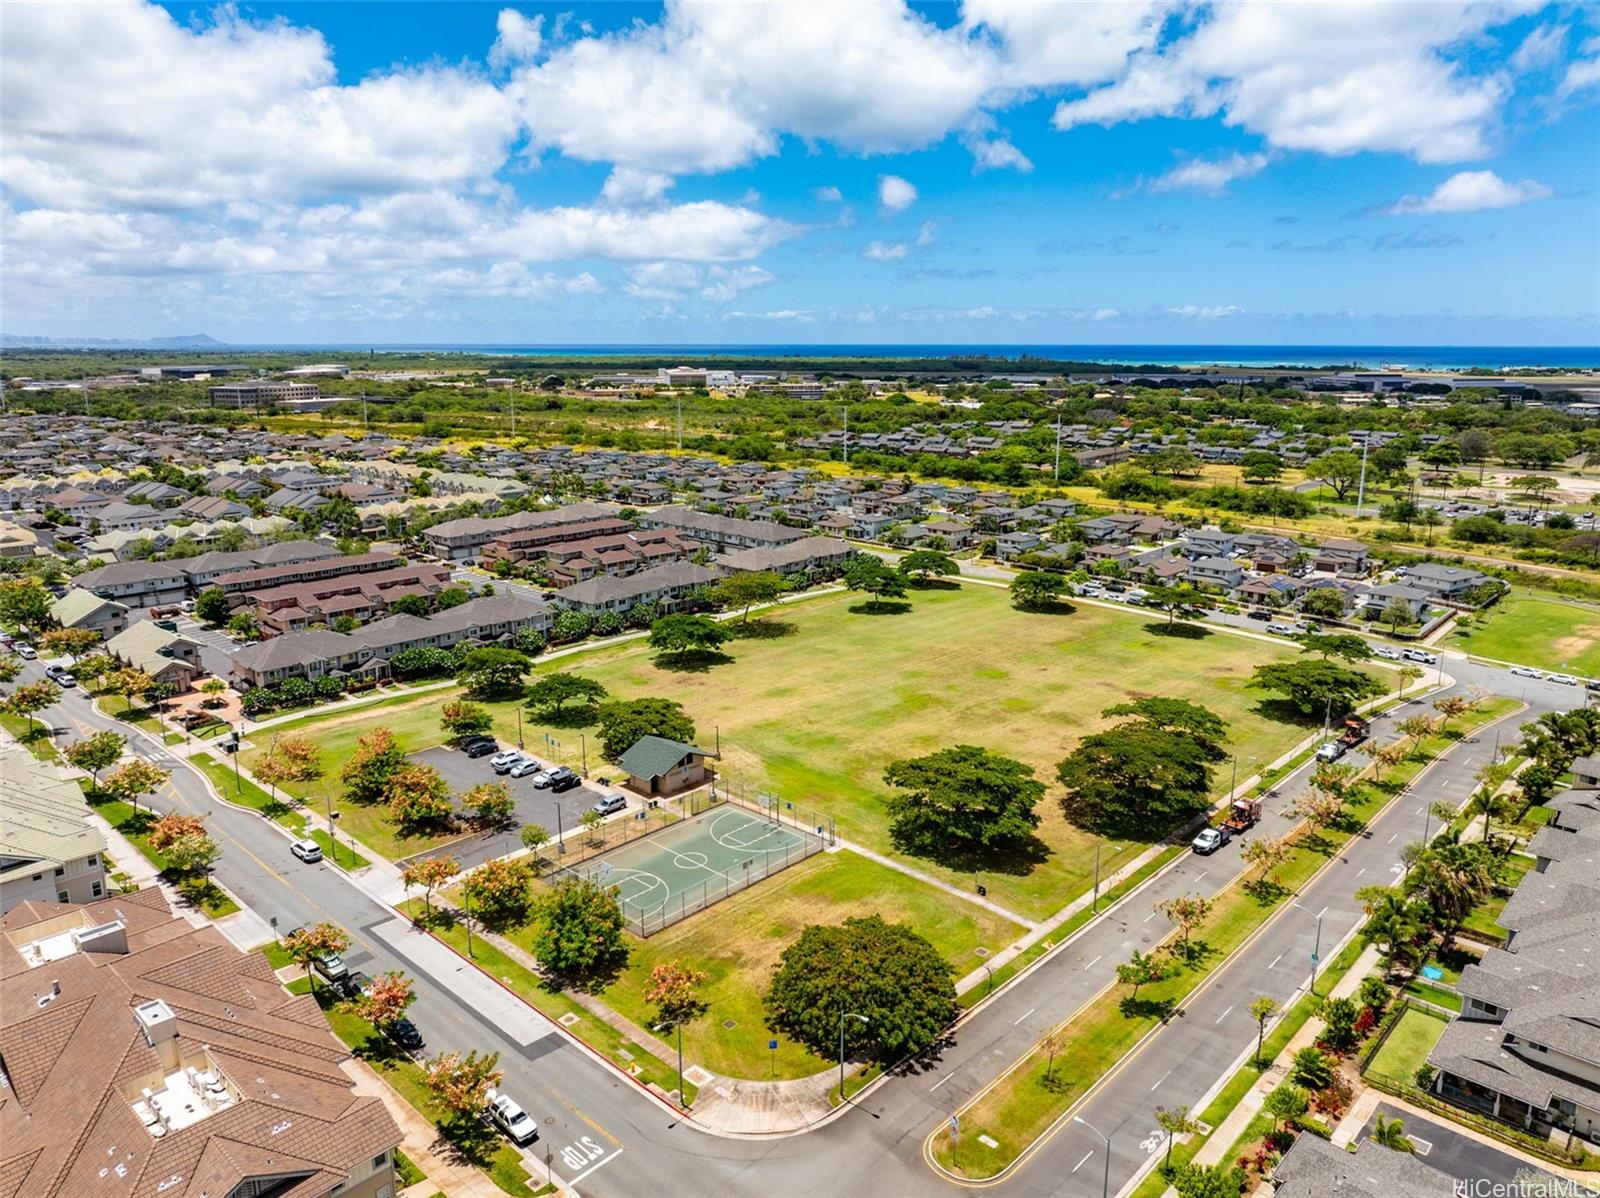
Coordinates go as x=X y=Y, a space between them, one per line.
x=1386 y=653
x=1421 y=655
x=524 y=767
x=1281 y=629
x=308 y=851
x=1527 y=672
x=505 y=1113
x=1563 y=679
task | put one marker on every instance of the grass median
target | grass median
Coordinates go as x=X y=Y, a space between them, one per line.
x=1006 y=1119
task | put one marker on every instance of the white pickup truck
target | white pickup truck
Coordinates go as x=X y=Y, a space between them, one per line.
x=505 y=1113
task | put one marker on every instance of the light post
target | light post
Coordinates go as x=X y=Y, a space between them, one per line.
x=1094 y=905
x=1105 y=1176
x=683 y=1100
x=843 y=1015
x=519 y=729
x=1316 y=951
x=466 y=898
x=583 y=739
x=1233 y=782
x=333 y=841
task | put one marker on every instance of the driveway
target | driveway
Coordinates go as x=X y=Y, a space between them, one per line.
x=1453 y=1154
x=216 y=647
x=534 y=806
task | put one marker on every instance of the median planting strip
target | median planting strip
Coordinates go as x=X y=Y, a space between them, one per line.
x=1025 y=1102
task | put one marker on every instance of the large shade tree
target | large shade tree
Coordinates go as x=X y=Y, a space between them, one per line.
x=962 y=798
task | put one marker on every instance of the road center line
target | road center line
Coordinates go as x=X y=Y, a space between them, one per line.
x=1163 y=1077
x=1275 y=961
x=1080 y=1164
x=1224 y=1015
x=1091 y=964
x=1392 y=839
x=1023 y=1016
x=1151 y=916
x=937 y=1084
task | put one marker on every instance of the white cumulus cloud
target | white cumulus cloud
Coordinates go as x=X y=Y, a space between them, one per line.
x=881 y=251
x=1211 y=176
x=1471 y=191
x=895 y=194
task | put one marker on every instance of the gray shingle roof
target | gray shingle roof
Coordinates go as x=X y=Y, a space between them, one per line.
x=652 y=756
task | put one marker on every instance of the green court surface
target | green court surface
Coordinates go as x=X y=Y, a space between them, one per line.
x=688 y=865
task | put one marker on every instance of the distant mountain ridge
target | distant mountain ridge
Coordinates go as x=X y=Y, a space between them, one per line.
x=186 y=340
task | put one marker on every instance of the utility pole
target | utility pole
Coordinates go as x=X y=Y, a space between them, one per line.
x=847 y=434
x=1361 y=487
x=1058 y=446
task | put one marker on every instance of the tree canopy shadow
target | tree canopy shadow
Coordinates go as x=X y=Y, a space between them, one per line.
x=1146 y=1008
x=692 y=661
x=881 y=607
x=1282 y=711
x=1266 y=891
x=1016 y=858
x=1191 y=952
x=932 y=584
x=1054 y=607
x=762 y=630
x=1180 y=631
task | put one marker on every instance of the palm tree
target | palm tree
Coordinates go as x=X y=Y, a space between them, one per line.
x=1393 y=924
x=1391 y=1134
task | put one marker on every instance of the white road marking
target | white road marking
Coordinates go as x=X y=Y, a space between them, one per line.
x=1023 y=1016
x=1151 y=916
x=1391 y=839
x=1091 y=964
x=1080 y=1164
x=1224 y=1015
x=1361 y=871
x=937 y=1084
x=1163 y=1077
x=598 y=1164
x=1322 y=912
x=1275 y=961
x=1201 y=874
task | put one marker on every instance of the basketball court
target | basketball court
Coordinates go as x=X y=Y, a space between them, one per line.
x=688 y=865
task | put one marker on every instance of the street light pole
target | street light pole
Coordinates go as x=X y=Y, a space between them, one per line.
x=843 y=1015
x=333 y=841
x=1105 y=1176
x=467 y=899
x=1094 y=906
x=1316 y=951
x=682 y=1099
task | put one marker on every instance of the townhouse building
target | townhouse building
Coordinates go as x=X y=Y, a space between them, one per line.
x=173 y=1063
x=137 y=584
x=720 y=532
x=49 y=852
x=667 y=586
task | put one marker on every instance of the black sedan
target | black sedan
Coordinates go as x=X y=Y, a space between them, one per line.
x=479 y=746
x=404 y=1033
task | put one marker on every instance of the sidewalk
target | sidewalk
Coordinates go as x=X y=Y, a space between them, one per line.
x=1248 y=1107
x=421 y=1141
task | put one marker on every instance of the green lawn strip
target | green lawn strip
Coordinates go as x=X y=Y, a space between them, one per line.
x=341 y=854
x=1437 y=995
x=1409 y=1042
x=277 y=956
x=473 y=1138
x=33 y=734
x=246 y=793
x=799 y=719
x=1020 y=1107
x=407 y=1170
x=135 y=824
x=527 y=985
x=1020 y=962
x=857 y=1078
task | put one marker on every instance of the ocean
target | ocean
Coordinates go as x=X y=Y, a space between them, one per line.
x=1365 y=357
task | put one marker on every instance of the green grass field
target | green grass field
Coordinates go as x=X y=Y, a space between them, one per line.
x=816 y=715
x=1409 y=1044
x=1537 y=631
x=739 y=940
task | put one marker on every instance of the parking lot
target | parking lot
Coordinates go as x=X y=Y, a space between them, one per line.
x=216 y=647
x=534 y=806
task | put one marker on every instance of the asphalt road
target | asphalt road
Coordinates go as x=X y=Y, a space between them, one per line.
x=611 y=1139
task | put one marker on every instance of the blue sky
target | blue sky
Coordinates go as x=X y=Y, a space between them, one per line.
x=999 y=171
